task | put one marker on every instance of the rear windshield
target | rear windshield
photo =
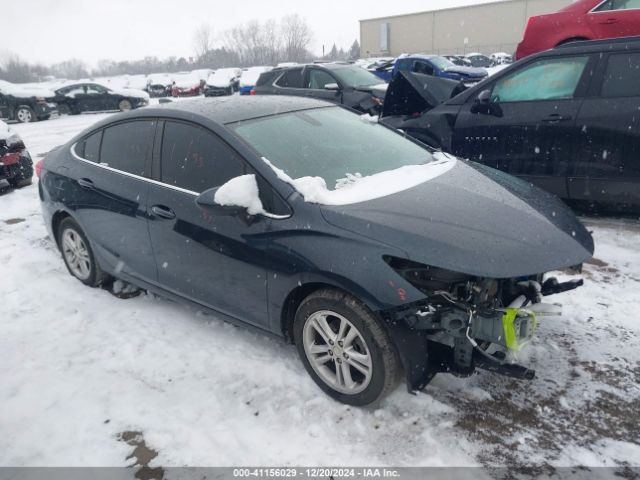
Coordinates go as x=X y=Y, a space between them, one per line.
x=331 y=143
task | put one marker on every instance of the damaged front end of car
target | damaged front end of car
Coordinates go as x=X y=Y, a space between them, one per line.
x=467 y=322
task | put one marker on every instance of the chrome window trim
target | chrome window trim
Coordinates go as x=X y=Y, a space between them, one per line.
x=155 y=182
x=292 y=88
x=132 y=175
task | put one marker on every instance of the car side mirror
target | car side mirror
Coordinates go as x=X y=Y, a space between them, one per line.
x=239 y=196
x=332 y=86
x=482 y=103
x=207 y=200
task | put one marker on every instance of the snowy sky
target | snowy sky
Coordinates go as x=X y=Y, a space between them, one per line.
x=130 y=29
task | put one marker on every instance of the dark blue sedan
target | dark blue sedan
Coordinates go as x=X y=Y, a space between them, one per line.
x=377 y=257
x=438 y=66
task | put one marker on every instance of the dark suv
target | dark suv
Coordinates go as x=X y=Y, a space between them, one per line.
x=567 y=120
x=24 y=104
x=345 y=84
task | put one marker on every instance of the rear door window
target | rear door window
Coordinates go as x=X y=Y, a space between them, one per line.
x=128 y=146
x=89 y=148
x=545 y=79
x=291 y=79
x=195 y=159
x=622 y=76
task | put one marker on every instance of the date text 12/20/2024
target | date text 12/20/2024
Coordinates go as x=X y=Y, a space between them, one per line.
x=313 y=473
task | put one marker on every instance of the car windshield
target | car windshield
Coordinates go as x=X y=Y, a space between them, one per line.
x=331 y=143
x=441 y=62
x=356 y=77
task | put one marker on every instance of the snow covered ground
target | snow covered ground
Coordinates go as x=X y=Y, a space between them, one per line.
x=79 y=367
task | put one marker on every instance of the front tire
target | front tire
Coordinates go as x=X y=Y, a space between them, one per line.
x=77 y=253
x=25 y=115
x=344 y=348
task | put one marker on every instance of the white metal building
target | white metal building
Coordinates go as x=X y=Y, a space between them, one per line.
x=486 y=28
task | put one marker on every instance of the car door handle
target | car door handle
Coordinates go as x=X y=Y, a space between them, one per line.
x=164 y=212
x=556 y=117
x=86 y=183
x=609 y=21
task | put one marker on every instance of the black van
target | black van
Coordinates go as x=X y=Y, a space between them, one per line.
x=567 y=120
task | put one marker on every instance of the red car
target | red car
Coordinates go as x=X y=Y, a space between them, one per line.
x=186 y=85
x=582 y=20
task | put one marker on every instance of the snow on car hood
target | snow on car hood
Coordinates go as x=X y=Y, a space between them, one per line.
x=220 y=80
x=474 y=220
x=25 y=92
x=187 y=82
x=355 y=188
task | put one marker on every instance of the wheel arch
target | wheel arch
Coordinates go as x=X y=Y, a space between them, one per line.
x=295 y=297
x=576 y=38
x=56 y=219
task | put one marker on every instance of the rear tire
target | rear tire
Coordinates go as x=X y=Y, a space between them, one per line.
x=20 y=183
x=125 y=105
x=77 y=253
x=22 y=173
x=344 y=348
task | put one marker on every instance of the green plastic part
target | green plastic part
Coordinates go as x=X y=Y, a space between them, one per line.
x=508 y=319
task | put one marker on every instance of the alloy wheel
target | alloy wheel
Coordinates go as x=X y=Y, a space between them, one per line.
x=24 y=115
x=76 y=254
x=337 y=352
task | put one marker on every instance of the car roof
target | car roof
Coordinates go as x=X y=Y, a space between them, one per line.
x=237 y=108
x=419 y=56
x=590 y=46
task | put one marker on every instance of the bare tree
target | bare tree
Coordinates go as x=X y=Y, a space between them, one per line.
x=203 y=40
x=296 y=37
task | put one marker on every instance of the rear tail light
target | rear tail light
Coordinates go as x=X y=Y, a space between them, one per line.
x=253 y=91
x=39 y=166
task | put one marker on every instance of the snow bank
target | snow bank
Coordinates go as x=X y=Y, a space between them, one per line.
x=241 y=192
x=355 y=188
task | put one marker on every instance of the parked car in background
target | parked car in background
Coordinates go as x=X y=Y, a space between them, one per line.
x=501 y=58
x=76 y=98
x=438 y=66
x=16 y=166
x=26 y=104
x=565 y=120
x=479 y=60
x=384 y=70
x=346 y=84
x=373 y=62
x=406 y=273
x=249 y=78
x=225 y=81
x=159 y=85
x=580 y=20
x=459 y=60
x=186 y=85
